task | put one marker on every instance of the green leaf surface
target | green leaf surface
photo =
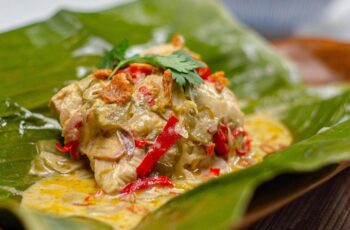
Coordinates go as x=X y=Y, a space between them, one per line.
x=229 y=196
x=52 y=53
x=112 y=57
x=39 y=59
x=307 y=118
x=19 y=131
x=13 y=217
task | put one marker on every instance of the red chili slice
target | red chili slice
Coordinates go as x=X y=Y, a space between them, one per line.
x=147 y=94
x=140 y=70
x=215 y=171
x=64 y=149
x=141 y=143
x=246 y=146
x=141 y=67
x=163 y=142
x=221 y=141
x=203 y=72
x=71 y=147
x=145 y=183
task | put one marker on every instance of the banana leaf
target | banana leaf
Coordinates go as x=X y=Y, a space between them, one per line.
x=220 y=204
x=38 y=59
x=12 y=217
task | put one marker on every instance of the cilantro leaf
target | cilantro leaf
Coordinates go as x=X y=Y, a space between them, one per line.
x=193 y=78
x=180 y=62
x=189 y=58
x=179 y=78
x=177 y=61
x=120 y=49
x=114 y=56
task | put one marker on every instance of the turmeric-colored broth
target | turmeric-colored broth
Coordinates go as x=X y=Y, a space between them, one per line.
x=75 y=193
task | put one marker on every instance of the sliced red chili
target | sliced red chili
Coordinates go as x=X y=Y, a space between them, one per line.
x=72 y=147
x=203 y=72
x=141 y=143
x=145 y=183
x=240 y=152
x=140 y=70
x=163 y=142
x=74 y=152
x=221 y=141
x=215 y=171
x=78 y=125
x=64 y=149
x=141 y=67
x=124 y=70
x=88 y=198
x=147 y=95
x=238 y=131
x=246 y=146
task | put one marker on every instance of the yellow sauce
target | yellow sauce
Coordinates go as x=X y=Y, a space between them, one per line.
x=76 y=194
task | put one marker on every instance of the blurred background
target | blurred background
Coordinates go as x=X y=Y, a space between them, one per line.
x=273 y=19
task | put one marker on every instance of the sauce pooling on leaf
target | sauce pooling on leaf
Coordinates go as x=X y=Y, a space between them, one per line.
x=141 y=130
x=70 y=188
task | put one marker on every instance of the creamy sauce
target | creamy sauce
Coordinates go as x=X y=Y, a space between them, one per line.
x=77 y=194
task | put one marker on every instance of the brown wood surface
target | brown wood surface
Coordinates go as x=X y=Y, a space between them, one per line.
x=320 y=61
x=326 y=207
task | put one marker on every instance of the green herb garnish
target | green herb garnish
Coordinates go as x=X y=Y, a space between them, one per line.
x=181 y=64
x=114 y=56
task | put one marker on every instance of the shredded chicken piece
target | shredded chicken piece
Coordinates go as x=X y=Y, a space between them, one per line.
x=112 y=176
x=71 y=131
x=223 y=105
x=104 y=148
x=66 y=102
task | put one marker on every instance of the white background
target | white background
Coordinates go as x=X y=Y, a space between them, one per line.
x=16 y=13
x=334 y=21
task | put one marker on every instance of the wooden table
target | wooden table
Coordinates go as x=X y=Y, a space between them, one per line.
x=326 y=207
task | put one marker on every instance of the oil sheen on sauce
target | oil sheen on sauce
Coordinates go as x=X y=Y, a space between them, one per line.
x=73 y=191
